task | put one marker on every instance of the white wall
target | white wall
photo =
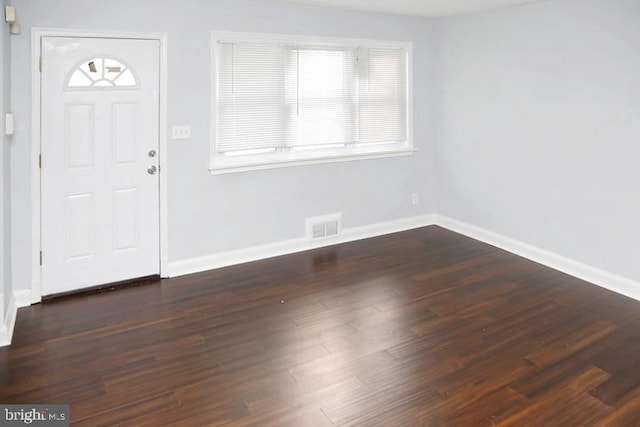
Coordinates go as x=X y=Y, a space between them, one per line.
x=213 y=214
x=6 y=292
x=540 y=127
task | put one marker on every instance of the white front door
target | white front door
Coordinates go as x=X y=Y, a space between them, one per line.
x=99 y=165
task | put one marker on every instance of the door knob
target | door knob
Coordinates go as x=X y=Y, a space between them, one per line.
x=152 y=170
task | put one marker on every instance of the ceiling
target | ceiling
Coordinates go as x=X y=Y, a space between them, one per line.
x=413 y=7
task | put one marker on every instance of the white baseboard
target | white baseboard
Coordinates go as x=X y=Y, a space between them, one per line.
x=561 y=263
x=23 y=298
x=9 y=321
x=224 y=259
x=574 y=268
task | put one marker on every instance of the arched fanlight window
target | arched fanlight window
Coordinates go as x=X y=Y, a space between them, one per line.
x=101 y=72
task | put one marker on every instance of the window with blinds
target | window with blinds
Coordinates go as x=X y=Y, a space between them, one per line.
x=289 y=101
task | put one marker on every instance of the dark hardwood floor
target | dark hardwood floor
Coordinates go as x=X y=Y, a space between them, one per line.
x=424 y=327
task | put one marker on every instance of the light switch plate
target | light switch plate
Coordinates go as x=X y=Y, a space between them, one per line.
x=181 y=132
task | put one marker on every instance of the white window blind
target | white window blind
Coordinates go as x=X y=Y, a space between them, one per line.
x=382 y=100
x=282 y=101
x=251 y=91
x=322 y=103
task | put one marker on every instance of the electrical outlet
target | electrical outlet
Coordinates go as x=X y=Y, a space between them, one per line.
x=181 y=132
x=415 y=198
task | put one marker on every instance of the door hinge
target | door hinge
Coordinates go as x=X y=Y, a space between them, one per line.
x=40 y=161
x=40 y=257
x=40 y=64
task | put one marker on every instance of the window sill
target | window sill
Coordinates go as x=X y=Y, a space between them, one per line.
x=224 y=167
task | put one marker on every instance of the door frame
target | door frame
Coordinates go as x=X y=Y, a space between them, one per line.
x=36 y=108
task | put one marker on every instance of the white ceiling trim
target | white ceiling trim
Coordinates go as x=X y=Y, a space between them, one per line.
x=426 y=8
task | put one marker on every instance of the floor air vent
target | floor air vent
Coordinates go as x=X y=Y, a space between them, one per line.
x=323 y=227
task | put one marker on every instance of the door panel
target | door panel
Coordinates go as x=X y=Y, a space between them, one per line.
x=125 y=219
x=79 y=136
x=100 y=117
x=78 y=219
x=125 y=118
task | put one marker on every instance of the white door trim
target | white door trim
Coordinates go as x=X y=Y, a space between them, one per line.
x=36 y=39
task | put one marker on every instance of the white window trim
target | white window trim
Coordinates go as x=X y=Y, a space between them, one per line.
x=219 y=165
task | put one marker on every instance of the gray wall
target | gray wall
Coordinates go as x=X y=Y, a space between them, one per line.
x=526 y=120
x=539 y=135
x=212 y=214
x=5 y=179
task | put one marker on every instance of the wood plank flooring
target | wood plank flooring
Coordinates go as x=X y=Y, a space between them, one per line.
x=421 y=328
